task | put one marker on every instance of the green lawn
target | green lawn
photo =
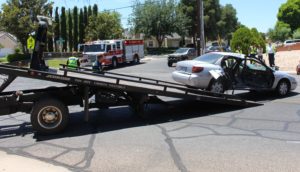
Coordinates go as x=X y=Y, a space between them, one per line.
x=3 y=60
x=54 y=63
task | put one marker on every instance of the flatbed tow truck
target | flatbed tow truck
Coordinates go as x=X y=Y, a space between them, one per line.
x=49 y=106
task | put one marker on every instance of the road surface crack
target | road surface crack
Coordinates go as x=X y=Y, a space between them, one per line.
x=174 y=154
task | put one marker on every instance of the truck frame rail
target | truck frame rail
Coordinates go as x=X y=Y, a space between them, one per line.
x=109 y=89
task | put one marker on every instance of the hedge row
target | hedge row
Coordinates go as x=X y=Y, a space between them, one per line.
x=17 y=57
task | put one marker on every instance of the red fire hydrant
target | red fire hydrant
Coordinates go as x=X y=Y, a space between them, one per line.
x=298 y=69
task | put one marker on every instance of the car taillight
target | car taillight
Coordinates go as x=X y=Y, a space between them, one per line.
x=197 y=69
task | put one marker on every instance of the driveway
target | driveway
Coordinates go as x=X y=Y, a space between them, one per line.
x=181 y=135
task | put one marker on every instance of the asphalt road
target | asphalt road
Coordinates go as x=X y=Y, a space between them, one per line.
x=179 y=136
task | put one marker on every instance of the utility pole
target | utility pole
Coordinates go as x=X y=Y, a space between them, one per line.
x=202 y=36
x=200 y=28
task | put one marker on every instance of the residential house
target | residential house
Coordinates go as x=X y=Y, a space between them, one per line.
x=8 y=44
x=172 y=41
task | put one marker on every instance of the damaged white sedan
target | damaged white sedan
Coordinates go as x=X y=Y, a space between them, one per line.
x=221 y=71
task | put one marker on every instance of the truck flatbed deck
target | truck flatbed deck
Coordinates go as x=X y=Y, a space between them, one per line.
x=48 y=106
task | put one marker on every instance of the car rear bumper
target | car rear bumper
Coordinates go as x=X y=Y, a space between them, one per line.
x=294 y=85
x=191 y=79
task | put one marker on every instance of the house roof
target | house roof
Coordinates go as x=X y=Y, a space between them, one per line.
x=13 y=38
x=174 y=36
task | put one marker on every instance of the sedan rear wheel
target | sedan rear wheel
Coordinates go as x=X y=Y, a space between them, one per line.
x=217 y=87
x=283 y=88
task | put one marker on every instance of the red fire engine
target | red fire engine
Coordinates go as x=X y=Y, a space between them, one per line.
x=113 y=52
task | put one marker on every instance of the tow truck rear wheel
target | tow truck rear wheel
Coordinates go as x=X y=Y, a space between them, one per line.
x=139 y=105
x=49 y=116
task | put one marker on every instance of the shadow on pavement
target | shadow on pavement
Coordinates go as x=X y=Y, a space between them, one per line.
x=122 y=117
x=264 y=96
x=106 y=120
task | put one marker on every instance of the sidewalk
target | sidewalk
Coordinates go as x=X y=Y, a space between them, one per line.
x=286 y=60
x=14 y=163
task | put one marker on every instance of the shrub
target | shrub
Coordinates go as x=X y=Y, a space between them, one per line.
x=17 y=50
x=244 y=38
x=296 y=34
x=17 y=57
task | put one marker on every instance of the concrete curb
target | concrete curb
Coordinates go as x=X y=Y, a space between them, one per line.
x=15 y=163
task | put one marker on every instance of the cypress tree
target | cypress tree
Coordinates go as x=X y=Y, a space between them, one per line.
x=81 y=26
x=50 y=35
x=70 y=25
x=75 y=36
x=89 y=10
x=85 y=17
x=63 y=28
x=56 y=29
x=95 y=9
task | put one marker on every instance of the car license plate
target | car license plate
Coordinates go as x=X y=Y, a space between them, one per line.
x=182 y=68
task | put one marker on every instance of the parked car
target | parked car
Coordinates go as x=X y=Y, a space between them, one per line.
x=216 y=49
x=220 y=71
x=298 y=69
x=291 y=42
x=181 y=54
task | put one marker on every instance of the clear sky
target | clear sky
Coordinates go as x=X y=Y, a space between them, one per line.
x=252 y=13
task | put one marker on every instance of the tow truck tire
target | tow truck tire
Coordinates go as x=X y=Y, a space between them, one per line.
x=114 y=62
x=138 y=105
x=49 y=116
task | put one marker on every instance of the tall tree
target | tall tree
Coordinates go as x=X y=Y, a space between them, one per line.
x=75 y=36
x=56 y=29
x=229 y=22
x=106 y=25
x=212 y=15
x=63 y=28
x=218 y=20
x=95 y=9
x=70 y=33
x=81 y=26
x=281 y=32
x=50 y=34
x=85 y=17
x=90 y=11
x=188 y=7
x=17 y=17
x=155 y=18
x=289 y=13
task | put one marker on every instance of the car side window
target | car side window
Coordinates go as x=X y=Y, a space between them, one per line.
x=255 y=65
x=229 y=62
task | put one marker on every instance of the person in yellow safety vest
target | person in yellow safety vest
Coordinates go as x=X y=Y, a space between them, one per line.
x=253 y=51
x=73 y=63
x=238 y=50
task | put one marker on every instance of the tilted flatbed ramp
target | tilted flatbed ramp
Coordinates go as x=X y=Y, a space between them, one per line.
x=49 y=106
x=123 y=82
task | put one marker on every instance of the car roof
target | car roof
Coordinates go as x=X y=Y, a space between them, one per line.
x=238 y=55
